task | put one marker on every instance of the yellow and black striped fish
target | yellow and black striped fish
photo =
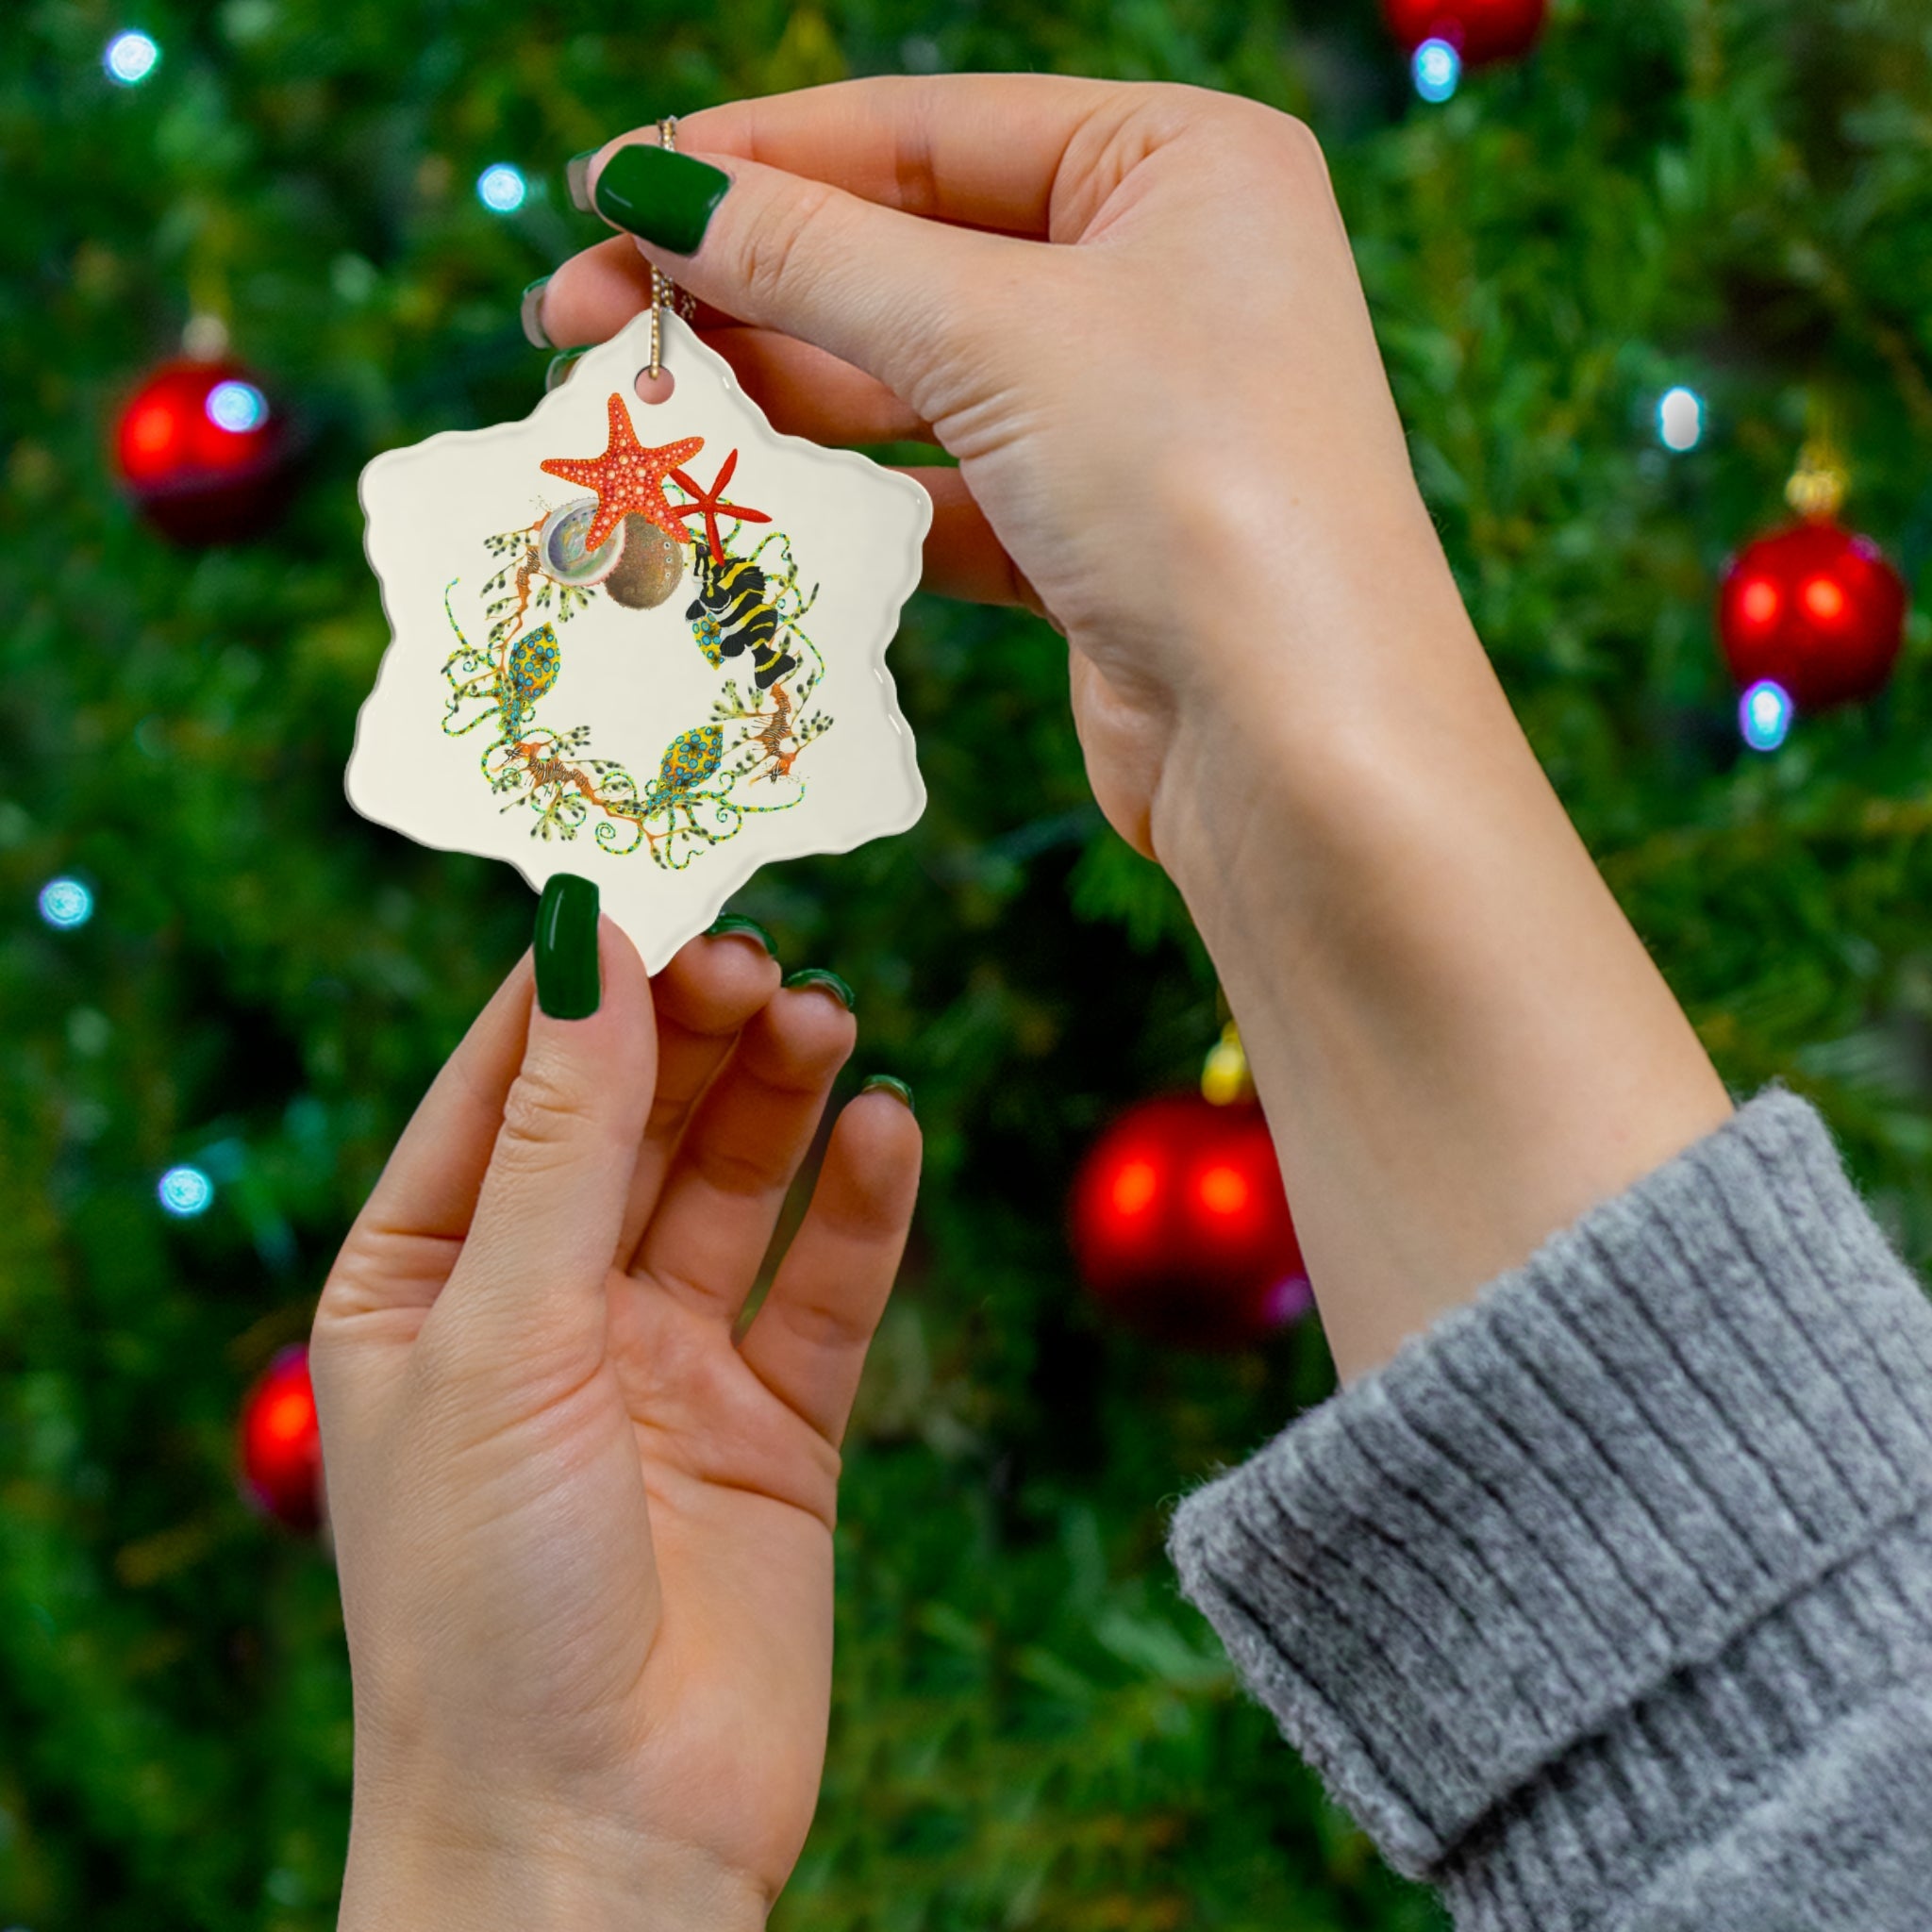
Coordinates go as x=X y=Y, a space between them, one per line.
x=732 y=613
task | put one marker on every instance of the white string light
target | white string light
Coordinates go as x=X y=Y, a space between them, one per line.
x=65 y=904
x=185 y=1192
x=1680 y=418
x=1438 y=70
x=502 y=188
x=130 y=58
x=1764 y=715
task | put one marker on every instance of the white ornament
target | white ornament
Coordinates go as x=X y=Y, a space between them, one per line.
x=665 y=752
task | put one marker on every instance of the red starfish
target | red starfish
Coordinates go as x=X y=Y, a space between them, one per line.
x=627 y=477
x=710 y=505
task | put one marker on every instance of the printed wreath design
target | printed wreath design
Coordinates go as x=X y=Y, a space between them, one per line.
x=748 y=604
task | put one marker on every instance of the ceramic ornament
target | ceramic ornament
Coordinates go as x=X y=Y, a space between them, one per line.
x=644 y=643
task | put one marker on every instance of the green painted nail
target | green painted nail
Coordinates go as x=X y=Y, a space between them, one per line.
x=737 y=922
x=891 y=1084
x=667 y=198
x=559 y=368
x=530 y=310
x=820 y=975
x=576 y=177
x=568 y=986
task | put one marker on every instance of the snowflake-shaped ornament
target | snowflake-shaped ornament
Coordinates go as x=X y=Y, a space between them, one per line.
x=602 y=663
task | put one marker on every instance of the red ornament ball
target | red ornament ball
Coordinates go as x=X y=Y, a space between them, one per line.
x=204 y=453
x=281 y=1444
x=1479 y=30
x=1181 y=1228
x=1815 y=609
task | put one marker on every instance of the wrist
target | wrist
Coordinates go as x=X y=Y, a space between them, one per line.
x=486 y=1876
x=1460 y=1042
x=1365 y=690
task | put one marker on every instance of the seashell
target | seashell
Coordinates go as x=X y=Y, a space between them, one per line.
x=650 y=567
x=560 y=544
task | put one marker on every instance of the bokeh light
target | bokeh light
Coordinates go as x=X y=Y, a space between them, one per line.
x=1291 y=1297
x=239 y=407
x=1680 y=418
x=1823 y=599
x=1223 y=1190
x=1764 y=715
x=1759 y=602
x=185 y=1192
x=1438 y=70
x=502 y=188
x=66 y=903
x=289 y=1414
x=130 y=58
x=1135 y=1187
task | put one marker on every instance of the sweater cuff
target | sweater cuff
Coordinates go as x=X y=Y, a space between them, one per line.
x=1678 y=1416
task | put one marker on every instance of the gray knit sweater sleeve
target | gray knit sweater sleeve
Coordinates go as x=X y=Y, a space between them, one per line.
x=1607 y=1604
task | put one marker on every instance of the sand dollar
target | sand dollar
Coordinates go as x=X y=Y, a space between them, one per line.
x=560 y=544
x=650 y=568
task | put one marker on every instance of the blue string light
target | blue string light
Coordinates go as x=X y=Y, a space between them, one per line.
x=65 y=904
x=1438 y=70
x=502 y=188
x=130 y=58
x=1764 y=715
x=185 y=1192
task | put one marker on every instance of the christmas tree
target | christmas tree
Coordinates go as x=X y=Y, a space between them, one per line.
x=1621 y=283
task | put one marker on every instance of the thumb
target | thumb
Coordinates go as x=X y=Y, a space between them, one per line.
x=528 y=1288
x=889 y=292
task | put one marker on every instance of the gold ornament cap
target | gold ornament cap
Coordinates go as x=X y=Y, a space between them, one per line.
x=1224 y=1076
x=1818 y=485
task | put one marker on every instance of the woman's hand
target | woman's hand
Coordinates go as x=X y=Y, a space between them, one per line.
x=1174 y=421
x=1175 y=438
x=585 y=1539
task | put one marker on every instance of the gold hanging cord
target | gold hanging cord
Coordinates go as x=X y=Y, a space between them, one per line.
x=663 y=289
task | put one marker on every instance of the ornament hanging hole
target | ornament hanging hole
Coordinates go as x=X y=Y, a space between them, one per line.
x=655 y=388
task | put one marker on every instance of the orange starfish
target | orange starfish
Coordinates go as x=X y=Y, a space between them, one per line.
x=627 y=479
x=710 y=505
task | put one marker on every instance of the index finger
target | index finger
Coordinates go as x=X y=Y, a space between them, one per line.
x=704 y=999
x=982 y=150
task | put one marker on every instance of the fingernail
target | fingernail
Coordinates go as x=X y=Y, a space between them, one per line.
x=567 y=980
x=576 y=177
x=531 y=312
x=559 y=368
x=820 y=975
x=897 y=1087
x=736 y=921
x=667 y=198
